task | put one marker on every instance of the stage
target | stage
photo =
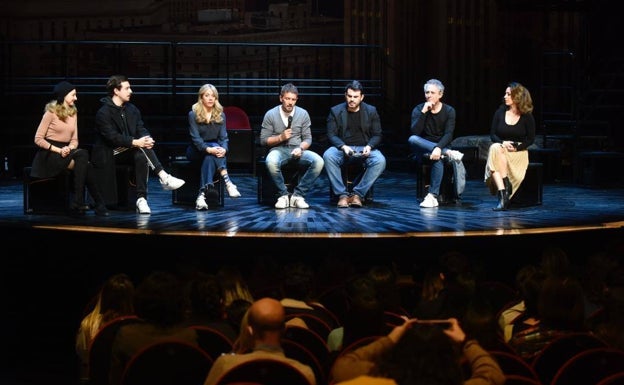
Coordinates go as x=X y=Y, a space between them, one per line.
x=58 y=261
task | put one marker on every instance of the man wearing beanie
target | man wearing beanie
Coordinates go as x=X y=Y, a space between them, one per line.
x=121 y=138
x=57 y=139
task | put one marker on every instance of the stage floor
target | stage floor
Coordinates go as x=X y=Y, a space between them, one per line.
x=393 y=213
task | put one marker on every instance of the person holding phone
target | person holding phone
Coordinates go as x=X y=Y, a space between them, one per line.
x=419 y=351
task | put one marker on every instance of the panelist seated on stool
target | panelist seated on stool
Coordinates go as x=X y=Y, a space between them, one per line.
x=447 y=193
x=186 y=195
x=451 y=183
x=352 y=173
x=267 y=191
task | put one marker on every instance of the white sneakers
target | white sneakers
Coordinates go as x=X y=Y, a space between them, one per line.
x=298 y=202
x=429 y=201
x=142 y=207
x=200 y=202
x=170 y=182
x=232 y=190
x=455 y=155
x=295 y=201
x=282 y=202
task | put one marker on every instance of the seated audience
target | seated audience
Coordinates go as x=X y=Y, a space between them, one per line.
x=560 y=310
x=159 y=301
x=206 y=305
x=265 y=327
x=419 y=353
x=113 y=300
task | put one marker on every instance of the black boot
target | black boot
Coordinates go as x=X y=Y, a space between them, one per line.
x=503 y=201
x=508 y=187
x=100 y=207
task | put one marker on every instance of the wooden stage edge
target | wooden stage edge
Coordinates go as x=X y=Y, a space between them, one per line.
x=265 y=235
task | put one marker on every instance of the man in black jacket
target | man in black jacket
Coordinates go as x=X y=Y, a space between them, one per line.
x=121 y=138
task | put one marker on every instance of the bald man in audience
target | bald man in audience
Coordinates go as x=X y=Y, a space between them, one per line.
x=266 y=323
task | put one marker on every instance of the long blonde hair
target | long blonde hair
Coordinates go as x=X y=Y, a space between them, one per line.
x=201 y=115
x=61 y=110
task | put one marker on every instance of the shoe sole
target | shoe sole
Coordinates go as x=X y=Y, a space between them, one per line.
x=171 y=188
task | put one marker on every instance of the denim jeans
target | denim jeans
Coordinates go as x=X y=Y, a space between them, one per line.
x=334 y=158
x=419 y=147
x=279 y=156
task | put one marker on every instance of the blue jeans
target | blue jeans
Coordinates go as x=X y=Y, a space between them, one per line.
x=279 y=156
x=210 y=165
x=419 y=147
x=334 y=158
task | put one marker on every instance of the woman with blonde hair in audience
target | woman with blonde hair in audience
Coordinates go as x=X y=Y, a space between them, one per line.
x=114 y=300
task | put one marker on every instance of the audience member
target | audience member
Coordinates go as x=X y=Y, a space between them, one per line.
x=266 y=323
x=57 y=142
x=235 y=313
x=419 y=353
x=233 y=285
x=298 y=288
x=560 y=309
x=554 y=261
x=209 y=143
x=433 y=126
x=287 y=135
x=610 y=325
x=160 y=302
x=522 y=314
x=113 y=300
x=386 y=278
x=434 y=301
x=121 y=138
x=206 y=305
x=354 y=133
x=512 y=132
x=363 y=317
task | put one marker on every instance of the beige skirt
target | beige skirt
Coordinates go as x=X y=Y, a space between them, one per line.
x=517 y=164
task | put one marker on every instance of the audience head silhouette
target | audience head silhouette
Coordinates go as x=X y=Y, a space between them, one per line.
x=159 y=299
x=423 y=355
x=266 y=321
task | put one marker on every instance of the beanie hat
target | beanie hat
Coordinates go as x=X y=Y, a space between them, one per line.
x=61 y=90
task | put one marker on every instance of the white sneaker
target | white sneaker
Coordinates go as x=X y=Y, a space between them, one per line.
x=142 y=207
x=298 y=202
x=170 y=182
x=200 y=202
x=455 y=155
x=282 y=202
x=232 y=190
x=429 y=201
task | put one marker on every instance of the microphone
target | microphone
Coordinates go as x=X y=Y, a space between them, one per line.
x=289 y=122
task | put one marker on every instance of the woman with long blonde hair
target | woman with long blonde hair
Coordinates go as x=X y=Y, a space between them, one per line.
x=209 y=143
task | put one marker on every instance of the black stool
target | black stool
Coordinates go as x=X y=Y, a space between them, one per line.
x=48 y=195
x=352 y=172
x=126 y=187
x=531 y=189
x=267 y=192
x=187 y=194
x=447 y=193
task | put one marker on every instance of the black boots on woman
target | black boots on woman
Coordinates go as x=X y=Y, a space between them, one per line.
x=503 y=201
x=504 y=196
x=508 y=187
